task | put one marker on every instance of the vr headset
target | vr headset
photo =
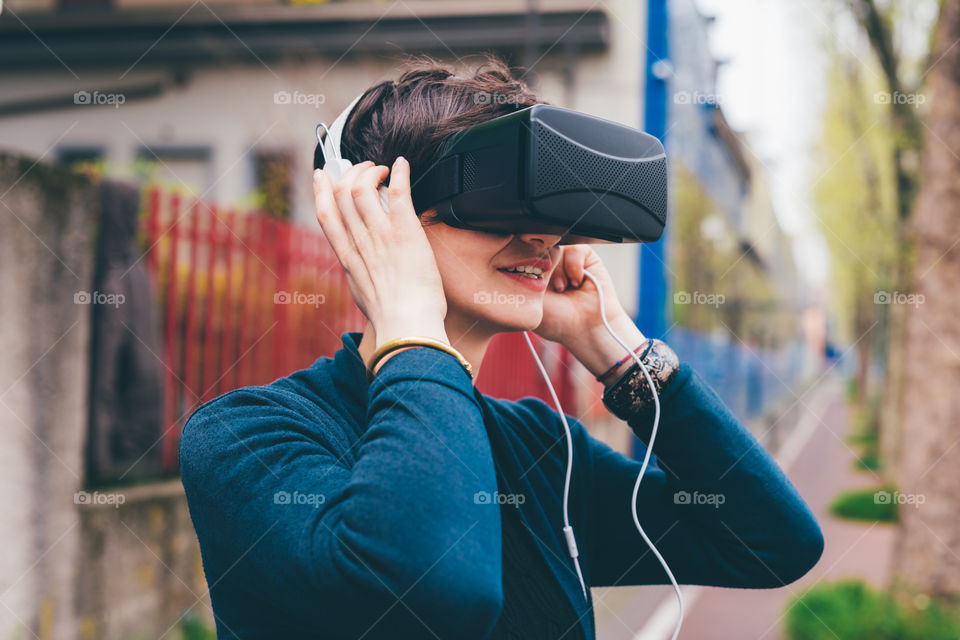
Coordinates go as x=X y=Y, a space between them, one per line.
x=540 y=169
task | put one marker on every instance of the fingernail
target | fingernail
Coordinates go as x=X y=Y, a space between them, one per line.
x=400 y=160
x=316 y=174
x=559 y=286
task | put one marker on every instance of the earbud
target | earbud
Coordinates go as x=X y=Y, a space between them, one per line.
x=335 y=165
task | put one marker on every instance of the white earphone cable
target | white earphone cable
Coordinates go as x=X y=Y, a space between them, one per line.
x=567 y=529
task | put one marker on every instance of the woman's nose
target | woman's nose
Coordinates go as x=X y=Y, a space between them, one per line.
x=545 y=240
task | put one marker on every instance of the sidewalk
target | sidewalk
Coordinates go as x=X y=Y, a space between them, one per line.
x=819 y=463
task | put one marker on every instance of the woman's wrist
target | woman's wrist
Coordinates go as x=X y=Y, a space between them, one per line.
x=404 y=328
x=629 y=395
x=599 y=350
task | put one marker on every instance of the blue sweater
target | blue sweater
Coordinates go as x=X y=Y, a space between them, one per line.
x=327 y=508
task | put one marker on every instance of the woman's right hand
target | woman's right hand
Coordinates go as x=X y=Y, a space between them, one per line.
x=389 y=263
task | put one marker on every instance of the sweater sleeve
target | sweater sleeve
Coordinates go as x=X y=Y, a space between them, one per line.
x=717 y=506
x=388 y=544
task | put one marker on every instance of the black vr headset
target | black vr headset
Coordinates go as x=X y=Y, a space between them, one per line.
x=541 y=169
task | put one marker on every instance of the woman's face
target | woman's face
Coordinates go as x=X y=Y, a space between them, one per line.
x=470 y=265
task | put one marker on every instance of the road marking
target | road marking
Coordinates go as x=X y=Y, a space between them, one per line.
x=800 y=436
x=664 y=619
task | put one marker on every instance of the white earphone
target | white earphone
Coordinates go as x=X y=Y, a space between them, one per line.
x=335 y=166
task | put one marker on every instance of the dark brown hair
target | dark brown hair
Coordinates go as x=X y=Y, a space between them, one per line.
x=415 y=114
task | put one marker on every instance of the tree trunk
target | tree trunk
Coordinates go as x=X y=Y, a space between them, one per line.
x=928 y=546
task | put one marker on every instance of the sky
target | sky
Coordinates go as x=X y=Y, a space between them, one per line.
x=771 y=87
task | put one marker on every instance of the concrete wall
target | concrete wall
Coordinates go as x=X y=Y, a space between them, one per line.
x=115 y=564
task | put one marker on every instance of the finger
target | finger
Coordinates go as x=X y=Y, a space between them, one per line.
x=355 y=227
x=328 y=215
x=366 y=198
x=558 y=281
x=398 y=193
x=341 y=192
x=331 y=221
x=573 y=258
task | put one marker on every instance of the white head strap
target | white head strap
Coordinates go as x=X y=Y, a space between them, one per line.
x=333 y=163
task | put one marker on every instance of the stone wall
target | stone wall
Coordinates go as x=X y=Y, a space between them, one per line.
x=121 y=563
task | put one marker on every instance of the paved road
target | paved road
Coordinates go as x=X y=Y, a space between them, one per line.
x=819 y=469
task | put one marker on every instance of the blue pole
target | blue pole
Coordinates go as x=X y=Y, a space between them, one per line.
x=652 y=314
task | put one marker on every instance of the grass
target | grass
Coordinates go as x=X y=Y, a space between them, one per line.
x=193 y=628
x=874 y=504
x=851 y=610
x=865 y=435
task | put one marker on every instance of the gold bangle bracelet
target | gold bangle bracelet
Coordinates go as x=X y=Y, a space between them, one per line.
x=413 y=341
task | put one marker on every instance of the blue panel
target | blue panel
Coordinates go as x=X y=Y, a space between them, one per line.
x=651 y=315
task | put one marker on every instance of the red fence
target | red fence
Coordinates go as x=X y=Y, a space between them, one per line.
x=246 y=299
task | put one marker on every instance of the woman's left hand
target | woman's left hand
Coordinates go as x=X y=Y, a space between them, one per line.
x=572 y=314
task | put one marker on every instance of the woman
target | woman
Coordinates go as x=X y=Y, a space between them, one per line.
x=414 y=506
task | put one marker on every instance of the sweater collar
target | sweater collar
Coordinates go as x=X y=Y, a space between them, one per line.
x=350 y=361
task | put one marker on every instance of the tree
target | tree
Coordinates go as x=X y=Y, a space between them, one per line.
x=928 y=546
x=907 y=131
x=855 y=202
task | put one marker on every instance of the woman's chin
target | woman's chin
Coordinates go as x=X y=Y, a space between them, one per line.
x=524 y=317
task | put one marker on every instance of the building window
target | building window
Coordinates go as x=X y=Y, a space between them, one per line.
x=75 y=157
x=184 y=169
x=273 y=183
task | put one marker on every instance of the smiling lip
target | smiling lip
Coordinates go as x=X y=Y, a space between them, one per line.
x=535 y=262
x=536 y=284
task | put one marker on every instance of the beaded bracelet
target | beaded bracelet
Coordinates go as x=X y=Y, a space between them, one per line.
x=630 y=397
x=622 y=360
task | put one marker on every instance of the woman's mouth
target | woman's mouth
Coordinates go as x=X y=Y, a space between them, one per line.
x=534 y=279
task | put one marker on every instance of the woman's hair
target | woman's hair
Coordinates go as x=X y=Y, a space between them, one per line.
x=415 y=114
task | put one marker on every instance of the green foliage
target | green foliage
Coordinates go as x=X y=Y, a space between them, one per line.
x=193 y=628
x=873 y=504
x=854 y=192
x=190 y=627
x=850 y=391
x=851 y=610
x=707 y=258
x=868 y=462
x=866 y=435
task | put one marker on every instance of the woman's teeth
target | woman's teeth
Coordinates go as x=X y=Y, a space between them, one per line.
x=528 y=271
